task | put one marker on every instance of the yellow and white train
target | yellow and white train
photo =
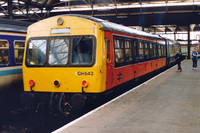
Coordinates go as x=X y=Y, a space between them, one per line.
x=71 y=58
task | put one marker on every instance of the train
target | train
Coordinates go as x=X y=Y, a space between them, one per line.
x=12 y=43
x=72 y=59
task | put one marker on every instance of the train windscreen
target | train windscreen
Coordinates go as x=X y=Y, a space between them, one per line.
x=55 y=51
x=82 y=50
x=58 y=53
x=36 y=52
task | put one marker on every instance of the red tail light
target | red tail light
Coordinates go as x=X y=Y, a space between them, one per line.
x=85 y=84
x=31 y=83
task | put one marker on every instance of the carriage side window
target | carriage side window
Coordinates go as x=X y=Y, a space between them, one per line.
x=58 y=53
x=151 y=55
x=173 y=50
x=155 y=50
x=159 y=51
x=19 y=51
x=119 y=51
x=134 y=49
x=82 y=50
x=128 y=51
x=141 y=51
x=4 y=52
x=146 y=51
x=171 y=47
x=164 y=51
x=36 y=53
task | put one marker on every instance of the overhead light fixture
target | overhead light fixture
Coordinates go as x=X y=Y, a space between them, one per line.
x=132 y=5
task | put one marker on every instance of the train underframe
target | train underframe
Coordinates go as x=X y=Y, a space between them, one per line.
x=56 y=103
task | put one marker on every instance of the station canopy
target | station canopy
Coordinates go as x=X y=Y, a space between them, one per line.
x=154 y=15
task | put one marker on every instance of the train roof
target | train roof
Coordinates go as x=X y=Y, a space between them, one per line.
x=106 y=25
x=13 y=26
x=171 y=41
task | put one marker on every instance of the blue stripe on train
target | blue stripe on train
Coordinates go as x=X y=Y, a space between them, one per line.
x=10 y=72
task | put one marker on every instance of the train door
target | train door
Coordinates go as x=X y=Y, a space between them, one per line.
x=109 y=64
x=168 y=52
x=135 y=58
x=157 y=55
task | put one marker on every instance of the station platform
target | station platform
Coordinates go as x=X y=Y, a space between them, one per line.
x=168 y=103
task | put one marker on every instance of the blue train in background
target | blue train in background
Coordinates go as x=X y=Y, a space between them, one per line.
x=12 y=41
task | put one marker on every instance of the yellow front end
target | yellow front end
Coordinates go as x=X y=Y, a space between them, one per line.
x=66 y=78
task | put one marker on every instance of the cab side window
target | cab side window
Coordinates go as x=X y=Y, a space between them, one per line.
x=108 y=50
x=4 y=52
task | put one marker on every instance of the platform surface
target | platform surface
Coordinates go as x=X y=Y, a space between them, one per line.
x=170 y=103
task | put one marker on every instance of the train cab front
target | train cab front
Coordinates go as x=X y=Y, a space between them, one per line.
x=64 y=68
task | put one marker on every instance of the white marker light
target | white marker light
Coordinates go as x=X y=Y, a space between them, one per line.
x=60 y=21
